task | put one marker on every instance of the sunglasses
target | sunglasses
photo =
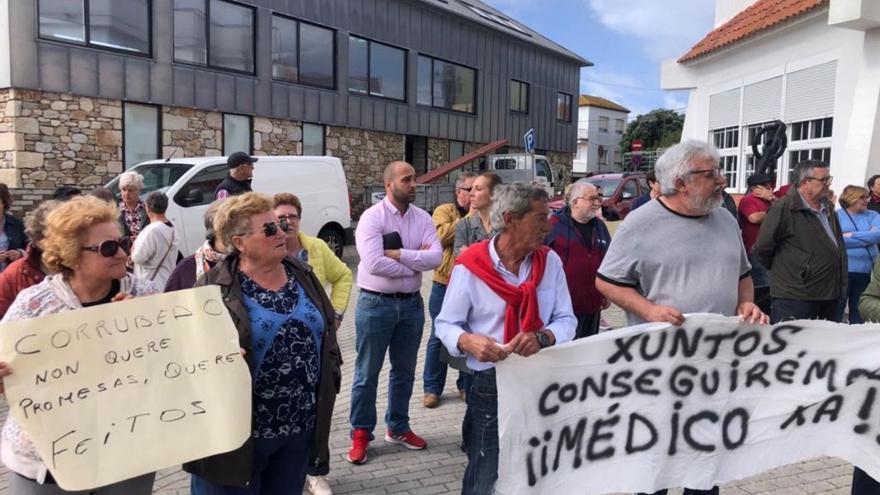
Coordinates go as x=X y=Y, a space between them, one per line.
x=287 y=219
x=108 y=249
x=271 y=228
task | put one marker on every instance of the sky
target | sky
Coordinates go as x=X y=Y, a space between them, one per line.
x=625 y=39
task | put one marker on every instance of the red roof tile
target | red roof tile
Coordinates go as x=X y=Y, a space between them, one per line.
x=760 y=16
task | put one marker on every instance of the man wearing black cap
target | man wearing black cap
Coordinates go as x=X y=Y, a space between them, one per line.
x=241 y=171
x=752 y=210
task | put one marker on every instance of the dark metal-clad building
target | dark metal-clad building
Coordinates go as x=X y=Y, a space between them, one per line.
x=91 y=87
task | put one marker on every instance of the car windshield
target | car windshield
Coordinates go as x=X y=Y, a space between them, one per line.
x=157 y=177
x=608 y=186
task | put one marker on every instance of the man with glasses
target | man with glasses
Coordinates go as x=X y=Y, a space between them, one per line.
x=445 y=217
x=581 y=239
x=801 y=243
x=681 y=253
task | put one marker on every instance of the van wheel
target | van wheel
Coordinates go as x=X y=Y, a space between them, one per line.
x=334 y=239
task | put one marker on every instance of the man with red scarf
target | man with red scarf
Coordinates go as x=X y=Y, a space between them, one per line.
x=505 y=295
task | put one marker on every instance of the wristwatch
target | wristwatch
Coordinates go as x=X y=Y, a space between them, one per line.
x=543 y=339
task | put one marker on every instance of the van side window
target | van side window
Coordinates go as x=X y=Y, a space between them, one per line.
x=505 y=164
x=200 y=189
x=542 y=169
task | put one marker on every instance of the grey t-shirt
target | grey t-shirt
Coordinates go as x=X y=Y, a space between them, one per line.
x=693 y=264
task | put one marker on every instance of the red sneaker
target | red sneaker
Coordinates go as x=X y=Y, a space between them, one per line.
x=360 y=441
x=408 y=439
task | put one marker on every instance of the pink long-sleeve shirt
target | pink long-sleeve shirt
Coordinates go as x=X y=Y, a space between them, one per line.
x=380 y=273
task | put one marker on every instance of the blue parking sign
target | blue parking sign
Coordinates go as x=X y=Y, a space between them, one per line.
x=530 y=141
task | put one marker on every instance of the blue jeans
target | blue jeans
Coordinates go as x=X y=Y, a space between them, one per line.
x=434 y=376
x=858 y=282
x=482 y=435
x=278 y=468
x=383 y=324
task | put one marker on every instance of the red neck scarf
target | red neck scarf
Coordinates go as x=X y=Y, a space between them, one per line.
x=522 y=314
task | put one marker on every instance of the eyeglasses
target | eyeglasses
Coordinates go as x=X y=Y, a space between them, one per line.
x=709 y=173
x=287 y=219
x=590 y=198
x=824 y=180
x=108 y=249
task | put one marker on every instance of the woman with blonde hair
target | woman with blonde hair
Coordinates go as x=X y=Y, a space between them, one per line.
x=85 y=249
x=287 y=330
x=861 y=233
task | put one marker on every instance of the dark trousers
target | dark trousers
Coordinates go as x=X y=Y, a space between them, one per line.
x=588 y=324
x=862 y=484
x=796 y=309
x=690 y=491
x=482 y=435
x=858 y=282
x=278 y=468
x=434 y=376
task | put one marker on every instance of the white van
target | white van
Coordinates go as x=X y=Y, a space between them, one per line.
x=318 y=181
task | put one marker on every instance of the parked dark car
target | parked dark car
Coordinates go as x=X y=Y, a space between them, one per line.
x=618 y=192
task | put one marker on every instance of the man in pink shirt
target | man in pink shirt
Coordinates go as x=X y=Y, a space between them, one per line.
x=396 y=242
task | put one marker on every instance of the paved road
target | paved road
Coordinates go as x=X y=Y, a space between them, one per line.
x=394 y=470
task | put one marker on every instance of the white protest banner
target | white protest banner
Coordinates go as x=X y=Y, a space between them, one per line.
x=114 y=391
x=656 y=406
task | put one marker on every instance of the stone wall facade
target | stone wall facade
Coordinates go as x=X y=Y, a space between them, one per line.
x=364 y=155
x=52 y=139
x=189 y=132
x=277 y=137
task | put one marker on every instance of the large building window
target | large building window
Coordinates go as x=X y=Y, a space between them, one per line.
x=619 y=125
x=216 y=33
x=140 y=133
x=303 y=53
x=376 y=69
x=313 y=139
x=446 y=85
x=603 y=124
x=237 y=133
x=563 y=108
x=812 y=129
x=726 y=139
x=519 y=96
x=810 y=140
x=122 y=25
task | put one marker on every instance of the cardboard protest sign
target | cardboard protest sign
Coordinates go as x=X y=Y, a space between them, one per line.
x=657 y=406
x=114 y=391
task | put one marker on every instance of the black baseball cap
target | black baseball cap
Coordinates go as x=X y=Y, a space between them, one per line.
x=239 y=158
x=759 y=180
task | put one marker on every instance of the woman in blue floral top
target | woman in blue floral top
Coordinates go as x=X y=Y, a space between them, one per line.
x=287 y=328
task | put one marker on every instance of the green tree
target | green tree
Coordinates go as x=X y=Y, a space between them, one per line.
x=658 y=128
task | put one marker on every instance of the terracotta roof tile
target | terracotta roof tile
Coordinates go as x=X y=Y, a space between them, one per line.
x=596 y=101
x=760 y=16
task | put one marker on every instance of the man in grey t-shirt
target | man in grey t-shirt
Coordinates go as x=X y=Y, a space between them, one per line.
x=681 y=253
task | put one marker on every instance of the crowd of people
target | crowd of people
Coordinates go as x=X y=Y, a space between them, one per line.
x=510 y=277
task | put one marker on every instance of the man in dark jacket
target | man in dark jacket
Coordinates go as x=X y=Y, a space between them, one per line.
x=801 y=243
x=581 y=240
x=874 y=191
x=241 y=171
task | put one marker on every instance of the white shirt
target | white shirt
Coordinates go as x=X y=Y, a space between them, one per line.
x=149 y=248
x=471 y=306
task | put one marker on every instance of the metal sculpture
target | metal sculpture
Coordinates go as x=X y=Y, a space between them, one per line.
x=775 y=142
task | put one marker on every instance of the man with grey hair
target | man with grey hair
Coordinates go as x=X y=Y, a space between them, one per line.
x=802 y=245
x=702 y=266
x=580 y=238
x=506 y=295
x=445 y=217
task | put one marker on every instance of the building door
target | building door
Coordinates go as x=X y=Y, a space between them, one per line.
x=417 y=153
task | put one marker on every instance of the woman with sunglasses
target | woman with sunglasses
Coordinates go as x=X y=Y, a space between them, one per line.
x=84 y=247
x=331 y=271
x=286 y=327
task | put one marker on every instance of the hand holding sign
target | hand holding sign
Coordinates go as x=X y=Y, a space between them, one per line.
x=162 y=376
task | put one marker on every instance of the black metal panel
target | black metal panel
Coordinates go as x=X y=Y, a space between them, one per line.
x=206 y=90
x=327 y=107
x=54 y=72
x=311 y=101
x=184 y=86
x=137 y=80
x=244 y=95
x=279 y=100
x=110 y=75
x=225 y=92
x=161 y=77
x=84 y=77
